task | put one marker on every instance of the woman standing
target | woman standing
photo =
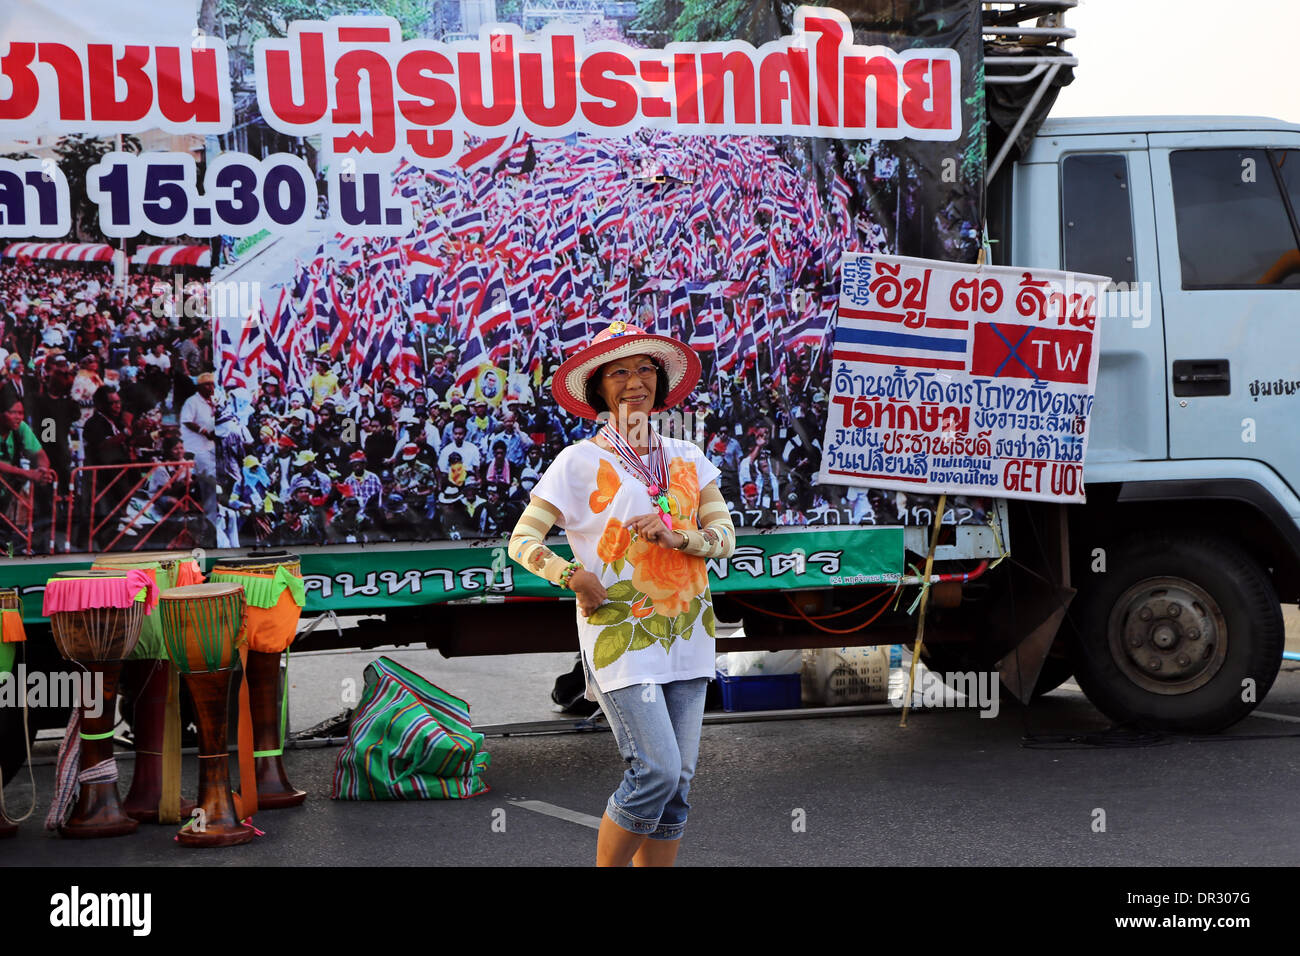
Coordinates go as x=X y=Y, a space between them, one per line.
x=642 y=514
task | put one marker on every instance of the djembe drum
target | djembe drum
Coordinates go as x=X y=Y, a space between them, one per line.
x=154 y=690
x=273 y=586
x=96 y=618
x=11 y=635
x=202 y=624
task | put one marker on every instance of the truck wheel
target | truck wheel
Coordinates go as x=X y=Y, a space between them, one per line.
x=1181 y=633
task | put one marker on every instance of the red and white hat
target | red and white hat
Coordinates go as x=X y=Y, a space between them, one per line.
x=620 y=340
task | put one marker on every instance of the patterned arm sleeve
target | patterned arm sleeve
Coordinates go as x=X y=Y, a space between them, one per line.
x=526 y=541
x=717 y=536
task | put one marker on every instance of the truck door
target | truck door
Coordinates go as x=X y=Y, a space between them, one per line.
x=1226 y=206
x=1104 y=224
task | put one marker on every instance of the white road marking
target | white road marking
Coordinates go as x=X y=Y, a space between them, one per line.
x=1271 y=716
x=551 y=810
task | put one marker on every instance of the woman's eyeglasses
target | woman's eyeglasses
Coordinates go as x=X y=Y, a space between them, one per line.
x=621 y=375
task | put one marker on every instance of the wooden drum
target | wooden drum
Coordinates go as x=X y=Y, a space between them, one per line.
x=96 y=618
x=147 y=681
x=202 y=624
x=273 y=585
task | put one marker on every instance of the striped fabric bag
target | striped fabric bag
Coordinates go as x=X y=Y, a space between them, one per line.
x=409 y=740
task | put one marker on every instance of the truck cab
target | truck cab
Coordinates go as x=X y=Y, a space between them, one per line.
x=1191 y=533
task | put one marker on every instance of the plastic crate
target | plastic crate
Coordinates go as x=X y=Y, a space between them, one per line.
x=760 y=692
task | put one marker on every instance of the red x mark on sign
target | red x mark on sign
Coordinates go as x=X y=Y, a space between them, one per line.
x=1003 y=350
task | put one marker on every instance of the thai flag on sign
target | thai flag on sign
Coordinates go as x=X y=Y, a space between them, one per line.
x=889 y=343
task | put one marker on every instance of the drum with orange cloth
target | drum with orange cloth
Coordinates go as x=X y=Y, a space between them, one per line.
x=202 y=624
x=96 y=618
x=273 y=586
x=11 y=635
x=154 y=692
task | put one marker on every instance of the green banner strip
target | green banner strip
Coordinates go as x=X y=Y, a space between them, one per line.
x=350 y=579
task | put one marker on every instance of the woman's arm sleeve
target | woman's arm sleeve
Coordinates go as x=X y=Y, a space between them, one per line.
x=526 y=540
x=717 y=535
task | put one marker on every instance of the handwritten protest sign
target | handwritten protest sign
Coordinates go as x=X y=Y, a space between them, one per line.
x=962 y=378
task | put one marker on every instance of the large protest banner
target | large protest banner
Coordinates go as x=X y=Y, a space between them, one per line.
x=383 y=233
x=967 y=379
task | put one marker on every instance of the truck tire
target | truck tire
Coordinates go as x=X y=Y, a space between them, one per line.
x=1182 y=633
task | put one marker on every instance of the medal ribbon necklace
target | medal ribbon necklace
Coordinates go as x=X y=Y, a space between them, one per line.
x=655 y=478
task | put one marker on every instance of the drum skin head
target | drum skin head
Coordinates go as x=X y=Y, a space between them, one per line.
x=190 y=591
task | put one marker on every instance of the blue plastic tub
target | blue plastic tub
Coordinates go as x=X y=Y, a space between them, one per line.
x=760 y=692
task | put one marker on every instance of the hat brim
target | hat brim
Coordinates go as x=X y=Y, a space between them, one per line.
x=680 y=362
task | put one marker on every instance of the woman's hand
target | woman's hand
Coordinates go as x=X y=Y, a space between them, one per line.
x=652 y=528
x=590 y=592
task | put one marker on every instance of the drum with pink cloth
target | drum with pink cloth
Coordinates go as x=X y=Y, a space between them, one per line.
x=96 y=618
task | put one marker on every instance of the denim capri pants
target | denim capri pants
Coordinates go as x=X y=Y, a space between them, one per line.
x=657 y=728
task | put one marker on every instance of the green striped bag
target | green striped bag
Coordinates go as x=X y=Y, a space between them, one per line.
x=409 y=740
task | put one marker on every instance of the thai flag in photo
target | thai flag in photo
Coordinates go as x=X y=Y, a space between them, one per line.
x=472 y=355
x=521 y=310
x=679 y=302
x=881 y=342
x=727 y=342
x=574 y=334
x=704 y=334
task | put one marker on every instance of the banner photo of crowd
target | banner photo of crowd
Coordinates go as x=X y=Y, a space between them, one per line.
x=397 y=388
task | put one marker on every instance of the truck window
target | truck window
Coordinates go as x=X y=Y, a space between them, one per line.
x=1234 y=230
x=1096 y=216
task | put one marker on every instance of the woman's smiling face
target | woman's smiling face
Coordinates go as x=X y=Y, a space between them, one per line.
x=630 y=381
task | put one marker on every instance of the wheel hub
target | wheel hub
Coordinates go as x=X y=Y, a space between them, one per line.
x=1167 y=635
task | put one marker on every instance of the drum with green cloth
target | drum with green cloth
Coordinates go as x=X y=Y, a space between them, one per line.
x=276 y=595
x=201 y=624
x=202 y=628
x=169 y=569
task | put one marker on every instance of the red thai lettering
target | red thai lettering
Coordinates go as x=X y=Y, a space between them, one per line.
x=713 y=69
x=17 y=66
x=564 y=82
x=781 y=77
x=857 y=70
x=68 y=71
x=205 y=105
x=501 y=64
x=347 y=78
x=279 y=68
x=686 y=84
x=104 y=71
x=827 y=58
x=927 y=80
x=620 y=94
x=417 y=75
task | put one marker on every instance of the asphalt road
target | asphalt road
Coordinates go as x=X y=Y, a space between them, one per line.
x=951 y=788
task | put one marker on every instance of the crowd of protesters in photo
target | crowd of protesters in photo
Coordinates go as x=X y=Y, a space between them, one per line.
x=99 y=375
x=93 y=377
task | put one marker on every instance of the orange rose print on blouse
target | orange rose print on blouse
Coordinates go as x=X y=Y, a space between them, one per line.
x=607 y=484
x=614 y=541
x=683 y=486
x=642 y=607
x=668 y=578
